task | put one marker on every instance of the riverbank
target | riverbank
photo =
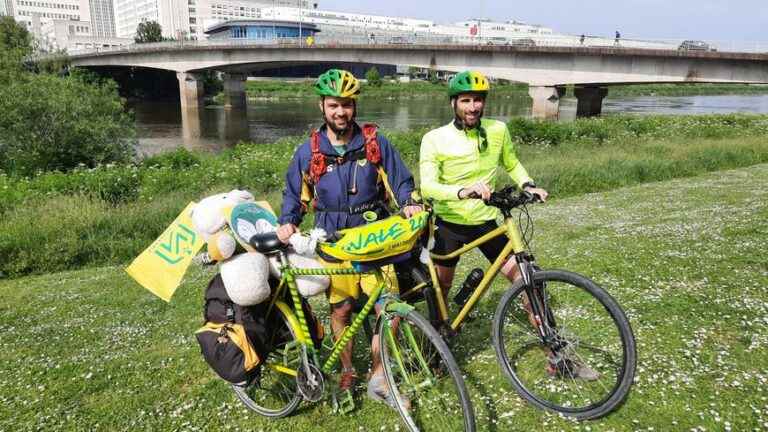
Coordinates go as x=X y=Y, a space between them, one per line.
x=92 y=350
x=260 y=89
x=111 y=213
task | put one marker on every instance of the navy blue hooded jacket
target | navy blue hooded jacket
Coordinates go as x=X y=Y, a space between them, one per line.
x=333 y=189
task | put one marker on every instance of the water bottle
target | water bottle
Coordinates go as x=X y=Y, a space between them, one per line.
x=473 y=280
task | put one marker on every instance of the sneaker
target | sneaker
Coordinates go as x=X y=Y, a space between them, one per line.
x=378 y=390
x=348 y=380
x=566 y=368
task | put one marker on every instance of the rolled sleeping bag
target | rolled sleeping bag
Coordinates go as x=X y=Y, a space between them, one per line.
x=246 y=278
x=308 y=285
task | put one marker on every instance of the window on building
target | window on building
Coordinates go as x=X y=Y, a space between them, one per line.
x=192 y=20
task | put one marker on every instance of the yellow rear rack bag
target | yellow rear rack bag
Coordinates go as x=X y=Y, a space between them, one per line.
x=382 y=239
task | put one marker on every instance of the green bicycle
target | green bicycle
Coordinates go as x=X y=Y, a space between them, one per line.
x=426 y=385
x=548 y=324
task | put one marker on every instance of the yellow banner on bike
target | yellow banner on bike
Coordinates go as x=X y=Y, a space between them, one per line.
x=161 y=267
x=388 y=237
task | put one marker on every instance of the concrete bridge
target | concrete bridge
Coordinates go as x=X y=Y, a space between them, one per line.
x=547 y=70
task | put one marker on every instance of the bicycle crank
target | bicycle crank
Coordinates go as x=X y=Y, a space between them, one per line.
x=311 y=383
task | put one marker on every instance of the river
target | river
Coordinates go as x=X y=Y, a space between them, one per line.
x=163 y=126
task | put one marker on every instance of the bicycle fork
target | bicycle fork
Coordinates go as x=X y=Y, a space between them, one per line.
x=538 y=307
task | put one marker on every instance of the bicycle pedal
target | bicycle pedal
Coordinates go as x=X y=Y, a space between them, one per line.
x=347 y=403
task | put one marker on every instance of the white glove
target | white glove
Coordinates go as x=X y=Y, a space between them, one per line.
x=305 y=245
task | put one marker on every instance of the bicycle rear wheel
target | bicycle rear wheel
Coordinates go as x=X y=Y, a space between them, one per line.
x=273 y=392
x=426 y=384
x=586 y=368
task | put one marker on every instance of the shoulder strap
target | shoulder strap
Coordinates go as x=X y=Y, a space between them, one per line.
x=372 y=151
x=317 y=165
x=373 y=154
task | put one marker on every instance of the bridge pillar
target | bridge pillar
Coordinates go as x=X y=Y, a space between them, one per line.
x=590 y=100
x=546 y=101
x=234 y=90
x=190 y=90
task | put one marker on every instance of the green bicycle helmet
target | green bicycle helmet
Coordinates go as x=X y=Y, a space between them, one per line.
x=337 y=83
x=468 y=82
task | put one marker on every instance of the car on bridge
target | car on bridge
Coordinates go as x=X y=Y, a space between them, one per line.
x=695 y=45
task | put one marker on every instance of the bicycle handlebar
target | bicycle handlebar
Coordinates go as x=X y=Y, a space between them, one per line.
x=509 y=198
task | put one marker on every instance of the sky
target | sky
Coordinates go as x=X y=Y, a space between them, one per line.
x=712 y=20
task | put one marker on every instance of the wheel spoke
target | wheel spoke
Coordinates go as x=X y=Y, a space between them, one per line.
x=579 y=371
x=424 y=379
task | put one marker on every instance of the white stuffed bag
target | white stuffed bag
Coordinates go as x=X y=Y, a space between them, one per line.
x=246 y=278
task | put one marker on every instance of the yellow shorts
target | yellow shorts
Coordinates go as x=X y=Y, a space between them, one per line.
x=349 y=286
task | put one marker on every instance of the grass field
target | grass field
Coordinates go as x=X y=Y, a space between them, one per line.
x=92 y=350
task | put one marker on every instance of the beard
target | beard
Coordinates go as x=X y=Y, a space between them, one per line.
x=337 y=130
x=459 y=120
x=463 y=122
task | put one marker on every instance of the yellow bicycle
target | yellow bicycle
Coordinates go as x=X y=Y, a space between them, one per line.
x=548 y=325
x=427 y=387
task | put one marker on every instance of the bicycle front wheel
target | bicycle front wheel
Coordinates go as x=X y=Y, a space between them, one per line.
x=274 y=392
x=585 y=366
x=426 y=384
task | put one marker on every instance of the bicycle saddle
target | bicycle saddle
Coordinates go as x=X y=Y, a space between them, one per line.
x=266 y=243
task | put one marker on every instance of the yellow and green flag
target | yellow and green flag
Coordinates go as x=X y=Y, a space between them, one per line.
x=161 y=267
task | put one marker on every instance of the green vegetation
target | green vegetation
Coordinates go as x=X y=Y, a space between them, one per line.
x=148 y=31
x=50 y=122
x=685 y=89
x=373 y=77
x=92 y=350
x=387 y=89
x=434 y=87
x=111 y=212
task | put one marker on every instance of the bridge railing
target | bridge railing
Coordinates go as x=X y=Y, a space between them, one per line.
x=331 y=39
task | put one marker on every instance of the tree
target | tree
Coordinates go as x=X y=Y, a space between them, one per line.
x=373 y=77
x=15 y=44
x=62 y=122
x=148 y=31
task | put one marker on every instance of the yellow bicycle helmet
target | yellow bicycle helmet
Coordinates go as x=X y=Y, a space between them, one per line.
x=337 y=83
x=468 y=82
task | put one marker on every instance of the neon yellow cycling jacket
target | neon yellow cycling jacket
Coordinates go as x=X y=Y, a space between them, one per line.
x=452 y=159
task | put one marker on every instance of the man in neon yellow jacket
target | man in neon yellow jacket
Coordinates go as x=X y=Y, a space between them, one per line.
x=459 y=165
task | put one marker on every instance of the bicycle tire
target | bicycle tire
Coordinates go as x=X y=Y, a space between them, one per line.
x=424 y=356
x=569 y=395
x=252 y=395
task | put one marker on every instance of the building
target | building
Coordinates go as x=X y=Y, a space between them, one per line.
x=257 y=30
x=95 y=15
x=102 y=18
x=28 y=12
x=72 y=36
x=190 y=18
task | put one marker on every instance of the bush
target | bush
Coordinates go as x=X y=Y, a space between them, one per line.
x=61 y=123
x=373 y=77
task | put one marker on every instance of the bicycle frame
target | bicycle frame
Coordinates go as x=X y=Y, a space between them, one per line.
x=514 y=245
x=299 y=322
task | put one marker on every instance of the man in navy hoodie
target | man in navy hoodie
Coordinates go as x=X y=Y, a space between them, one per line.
x=338 y=172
